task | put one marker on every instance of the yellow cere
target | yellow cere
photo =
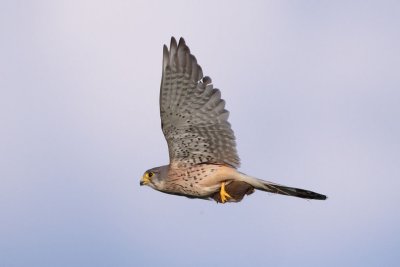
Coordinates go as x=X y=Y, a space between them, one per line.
x=146 y=178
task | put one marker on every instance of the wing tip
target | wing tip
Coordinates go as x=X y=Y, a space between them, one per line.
x=179 y=57
x=181 y=42
x=173 y=43
x=165 y=57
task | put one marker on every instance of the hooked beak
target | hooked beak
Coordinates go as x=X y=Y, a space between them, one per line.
x=144 y=181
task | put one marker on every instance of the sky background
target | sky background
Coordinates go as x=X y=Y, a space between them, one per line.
x=313 y=88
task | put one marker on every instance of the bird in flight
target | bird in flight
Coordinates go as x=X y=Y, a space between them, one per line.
x=203 y=160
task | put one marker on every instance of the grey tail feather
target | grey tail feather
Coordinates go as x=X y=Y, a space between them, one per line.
x=281 y=189
x=291 y=191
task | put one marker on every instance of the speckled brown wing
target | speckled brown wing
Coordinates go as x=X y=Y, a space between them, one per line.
x=193 y=116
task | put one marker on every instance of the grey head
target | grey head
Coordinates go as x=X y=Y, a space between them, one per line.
x=155 y=177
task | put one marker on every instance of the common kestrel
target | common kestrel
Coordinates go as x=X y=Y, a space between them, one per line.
x=202 y=149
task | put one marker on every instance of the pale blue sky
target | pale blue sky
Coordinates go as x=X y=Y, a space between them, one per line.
x=313 y=88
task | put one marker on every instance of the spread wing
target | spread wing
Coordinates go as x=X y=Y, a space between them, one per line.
x=193 y=116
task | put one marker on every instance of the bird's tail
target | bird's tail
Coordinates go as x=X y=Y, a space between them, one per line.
x=280 y=189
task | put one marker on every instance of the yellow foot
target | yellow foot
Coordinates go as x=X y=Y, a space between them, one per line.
x=224 y=195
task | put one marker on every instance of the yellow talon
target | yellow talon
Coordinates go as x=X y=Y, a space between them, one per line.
x=224 y=195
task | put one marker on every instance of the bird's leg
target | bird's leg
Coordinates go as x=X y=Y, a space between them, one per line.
x=224 y=195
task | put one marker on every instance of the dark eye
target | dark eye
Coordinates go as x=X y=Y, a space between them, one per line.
x=151 y=174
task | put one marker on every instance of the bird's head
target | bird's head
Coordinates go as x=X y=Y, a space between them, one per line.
x=155 y=177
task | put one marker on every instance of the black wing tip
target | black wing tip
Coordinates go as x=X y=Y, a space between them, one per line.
x=181 y=42
x=177 y=44
x=178 y=56
x=173 y=42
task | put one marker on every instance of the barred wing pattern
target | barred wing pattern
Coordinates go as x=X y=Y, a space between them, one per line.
x=193 y=116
